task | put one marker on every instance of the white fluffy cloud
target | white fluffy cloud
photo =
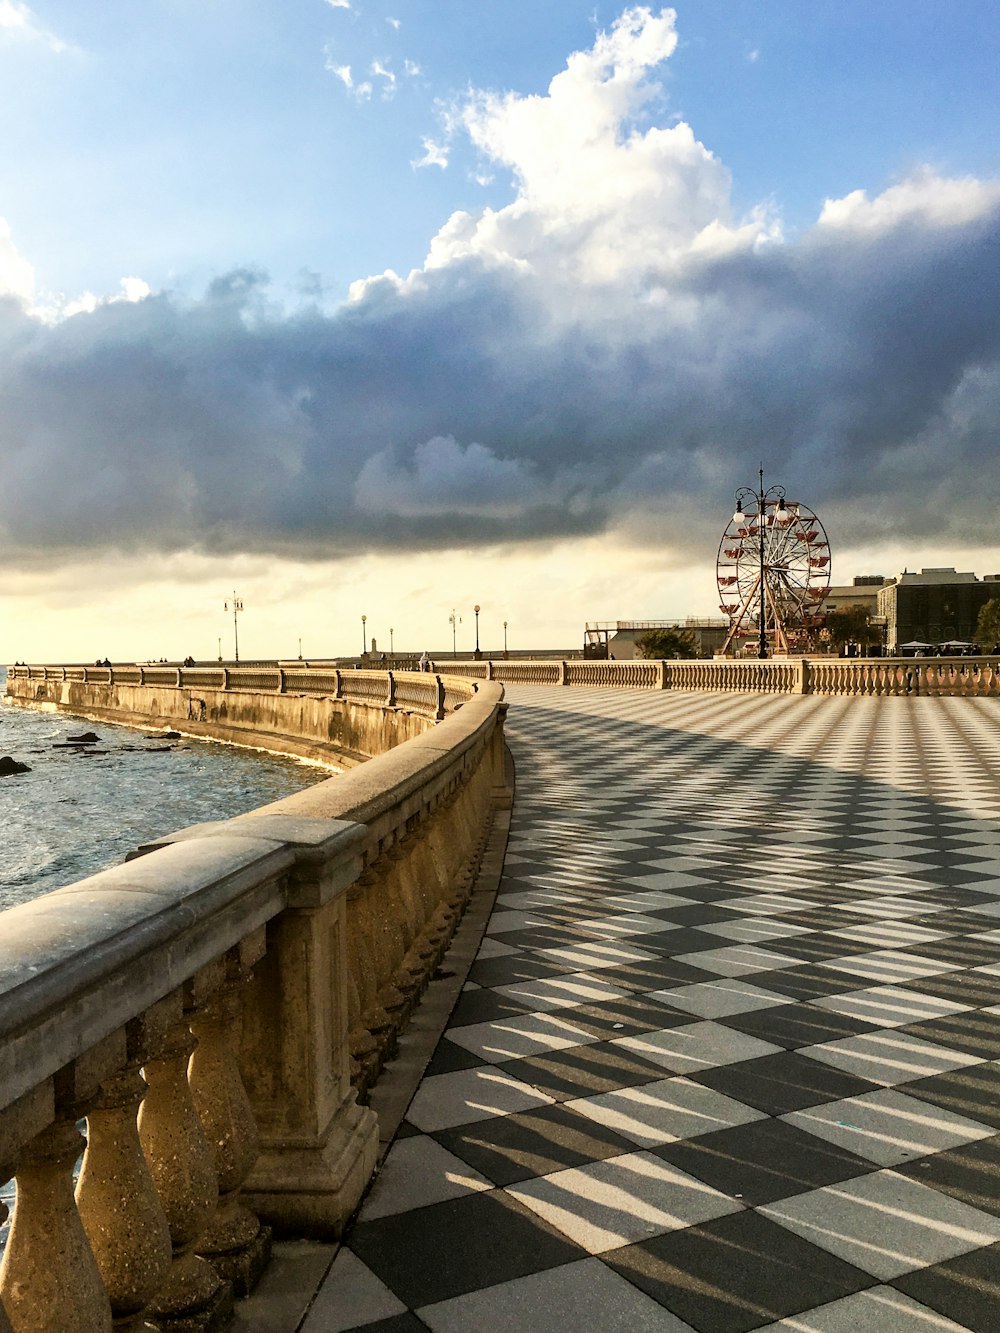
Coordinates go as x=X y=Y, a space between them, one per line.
x=613 y=350
x=18 y=22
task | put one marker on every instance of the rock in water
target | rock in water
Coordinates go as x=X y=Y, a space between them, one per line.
x=85 y=738
x=9 y=766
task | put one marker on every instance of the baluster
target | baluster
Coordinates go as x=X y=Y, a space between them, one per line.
x=49 y=1278
x=180 y=1161
x=118 y=1203
x=235 y=1243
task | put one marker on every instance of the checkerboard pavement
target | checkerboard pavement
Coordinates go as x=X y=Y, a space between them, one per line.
x=729 y=1055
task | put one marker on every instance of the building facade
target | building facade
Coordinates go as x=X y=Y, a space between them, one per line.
x=935 y=606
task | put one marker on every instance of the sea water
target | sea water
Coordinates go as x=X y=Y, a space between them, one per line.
x=82 y=809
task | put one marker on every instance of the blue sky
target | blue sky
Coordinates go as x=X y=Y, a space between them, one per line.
x=574 y=375
x=178 y=139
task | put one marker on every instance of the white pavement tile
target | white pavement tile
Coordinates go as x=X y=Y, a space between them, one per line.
x=520 y=1035
x=622 y=1200
x=635 y=923
x=715 y=999
x=890 y=965
x=467 y=1095
x=590 y=954
x=663 y=1112
x=669 y=879
x=888 y=1057
x=892 y=1006
x=884 y=908
x=754 y=929
x=695 y=1046
x=767 y=904
x=877 y=1310
x=735 y=959
x=562 y=991
x=351 y=1294
x=885 y=1223
x=887 y=934
x=494 y=949
x=418 y=1171
x=888 y=1127
x=585 y=1296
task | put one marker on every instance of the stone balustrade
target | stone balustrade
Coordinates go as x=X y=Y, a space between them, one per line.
x=213 y=1011
x=978 y=676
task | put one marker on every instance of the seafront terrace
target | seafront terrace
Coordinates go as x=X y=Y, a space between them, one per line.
x=728 y=1056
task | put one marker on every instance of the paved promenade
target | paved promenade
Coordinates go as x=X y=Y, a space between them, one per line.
x=729 y=1057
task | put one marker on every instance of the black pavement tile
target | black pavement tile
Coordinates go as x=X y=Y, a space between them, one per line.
x=624 y=1017
x=972 y=1031
x=764 y=1161
x=786 y=1082
x=543 y=937
x=809 y=981
x=817 y=947
x=970 y=1172
x=583 y=1071
x=448 y=1057
x=407 y=1131
x=966 y=1289
x=691 y=914
x=511 y=968
x=432 y=1254
x=486 y=1006
x=654 y=974
x=713 y=890
x=407 y=1322
x=954 y=921
x=960 y=949
x=670 y=943
x=792 y=1025
x=972 y=988
x=826 y=918
x=511 y=1148
x=736 y=1273
x=973 y=1092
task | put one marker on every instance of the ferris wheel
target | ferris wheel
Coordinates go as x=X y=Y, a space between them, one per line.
x=773 y=571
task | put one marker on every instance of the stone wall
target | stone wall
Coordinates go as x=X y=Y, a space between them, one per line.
x=216 y=1009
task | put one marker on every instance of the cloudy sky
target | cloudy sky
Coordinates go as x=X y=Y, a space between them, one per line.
x=389 y=307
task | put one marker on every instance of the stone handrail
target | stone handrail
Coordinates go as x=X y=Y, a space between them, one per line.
x=215 y=1009
x=979 y=676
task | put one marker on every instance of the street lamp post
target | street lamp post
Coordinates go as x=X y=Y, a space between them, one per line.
x=237 y=606
x=364 y=636
x=505 y=638
x=478 y=653
x=781 y=515
x=391 y=649
x=453 y=621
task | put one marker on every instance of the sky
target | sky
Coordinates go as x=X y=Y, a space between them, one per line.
x=391 y=309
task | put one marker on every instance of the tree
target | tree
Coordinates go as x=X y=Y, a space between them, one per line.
x=667 y=643
x=988 y=624
x=852 y=624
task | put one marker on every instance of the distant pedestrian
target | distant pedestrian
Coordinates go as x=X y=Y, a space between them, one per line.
x=425 y=661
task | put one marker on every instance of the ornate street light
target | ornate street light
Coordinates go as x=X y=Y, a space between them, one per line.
x=782 y=515
x=237 y=607
x=478 y=653
x=453 y=620
x=364 y=636
x=391 y=650
x=505 y=638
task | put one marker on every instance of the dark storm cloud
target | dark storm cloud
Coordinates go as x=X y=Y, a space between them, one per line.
x=861 y=364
